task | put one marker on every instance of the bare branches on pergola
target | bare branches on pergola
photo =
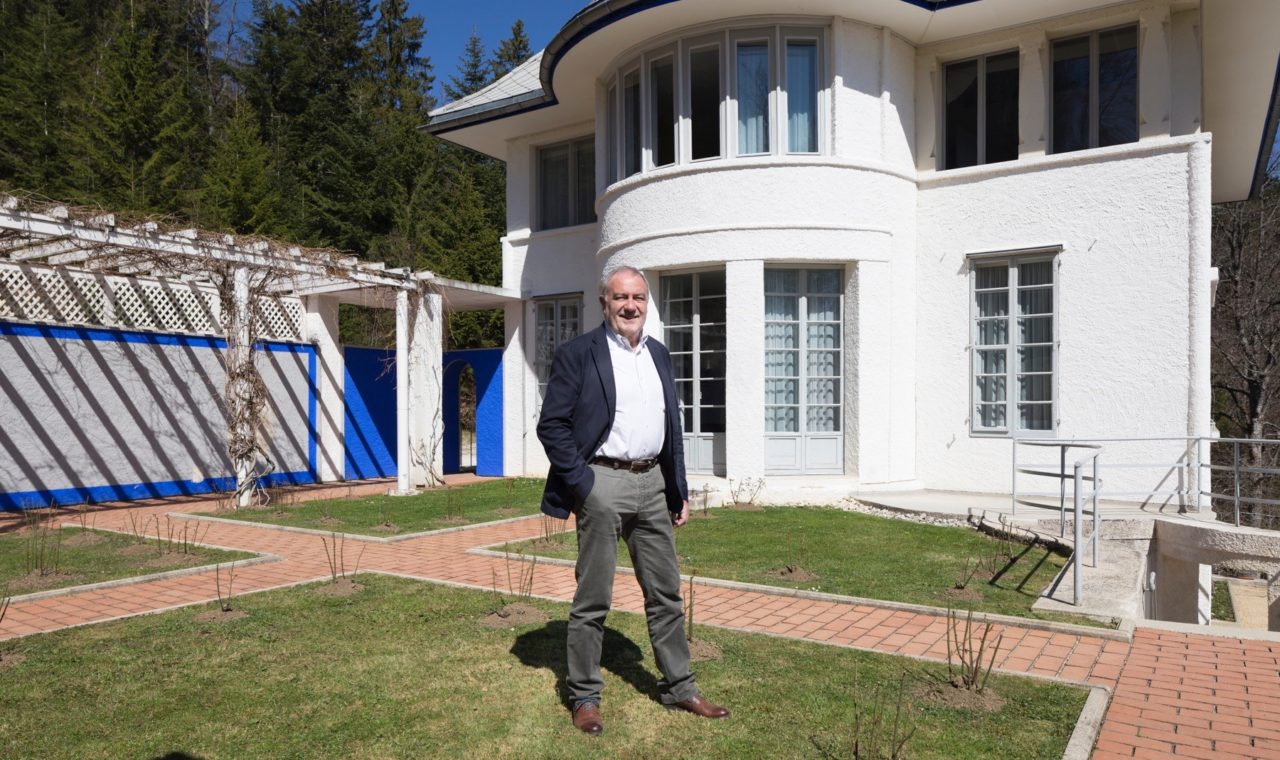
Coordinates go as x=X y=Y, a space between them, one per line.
x=243 y=271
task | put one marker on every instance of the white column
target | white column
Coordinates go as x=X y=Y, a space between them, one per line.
x=1200 y=392
x=518 y=397
x=426 y=423
x=744 y=364
x=320 y=326
x=402 y=393
x=871 y=352
x=243 y=427
x=1032 y=131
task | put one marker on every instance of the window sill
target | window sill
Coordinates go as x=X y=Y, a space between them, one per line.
x=528 y=236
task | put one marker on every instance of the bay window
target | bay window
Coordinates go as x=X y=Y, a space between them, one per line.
x=739 y=92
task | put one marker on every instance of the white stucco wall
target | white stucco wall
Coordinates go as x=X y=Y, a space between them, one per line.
x=1131 y=222
x=1126 y=360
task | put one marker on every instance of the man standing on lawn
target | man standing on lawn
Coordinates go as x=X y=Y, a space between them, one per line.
x=611 y=427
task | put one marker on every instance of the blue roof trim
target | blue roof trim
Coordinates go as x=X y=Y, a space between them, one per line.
x=1268 y=137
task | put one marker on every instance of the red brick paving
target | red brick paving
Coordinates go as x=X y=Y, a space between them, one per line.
x=1173 y=694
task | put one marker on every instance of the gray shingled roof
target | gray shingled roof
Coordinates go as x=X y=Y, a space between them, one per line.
x=518 y=85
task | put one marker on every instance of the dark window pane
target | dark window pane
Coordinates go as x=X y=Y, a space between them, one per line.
x=1118 y=86
x=713 y=392
x=991 y=277
x=679 y=339
x=662 y=86
x=711 y=283
x=712 y=337
x=961 y=129
x=713 y=420
x=1002 y=107
x=712 y=309
x=1070 y=94
x=611 y=135
x=631 y=123
x=585 y=185
x=677 y=286
x=704 y=102
x=553 y=187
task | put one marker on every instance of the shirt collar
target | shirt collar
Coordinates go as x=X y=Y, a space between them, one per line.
x=622 y=342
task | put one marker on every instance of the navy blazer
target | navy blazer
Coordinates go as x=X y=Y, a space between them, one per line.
x=577 y=414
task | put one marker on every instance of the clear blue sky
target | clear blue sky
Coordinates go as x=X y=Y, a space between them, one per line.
x=449 y=24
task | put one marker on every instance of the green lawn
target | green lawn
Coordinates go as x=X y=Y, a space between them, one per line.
x=50 y=558
x=394 y=515
x=1222 y=607
x=858 y=555
x=405 y=669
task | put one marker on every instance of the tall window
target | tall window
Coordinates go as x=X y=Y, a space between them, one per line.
x=705 y=97
x=1013 y=346
x=556 y=321
x=611 y=135
x=752 y=92
x=802 y=96
x=981 y=111
x=693 y=319
x=567 y=184
x=1095 y=90
x=803 y=348
x=662 y=110
x=631 y=145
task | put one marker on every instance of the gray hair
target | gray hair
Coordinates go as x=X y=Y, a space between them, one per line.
x=609 y=274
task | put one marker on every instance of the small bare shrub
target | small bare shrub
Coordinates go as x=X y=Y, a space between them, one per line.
x=42 y=547
x=745 y=491
x=880 y=731
x=224 y=602
x=969 y=664
x=336 y=554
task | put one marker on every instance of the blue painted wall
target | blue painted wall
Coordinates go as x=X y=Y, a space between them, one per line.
x=486 y=364
x=369 y=430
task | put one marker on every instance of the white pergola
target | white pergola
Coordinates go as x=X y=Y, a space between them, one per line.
x=52 y=240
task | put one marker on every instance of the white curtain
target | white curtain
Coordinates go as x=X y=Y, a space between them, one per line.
x=802 y=97
x=753 y=98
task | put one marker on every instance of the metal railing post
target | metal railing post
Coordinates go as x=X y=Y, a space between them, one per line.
x=1236 y=469
x=1013 y=506
x=1062 y=491
x=1075 y=558
x=1097 y=485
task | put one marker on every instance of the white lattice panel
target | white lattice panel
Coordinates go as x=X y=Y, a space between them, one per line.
x=41 y=294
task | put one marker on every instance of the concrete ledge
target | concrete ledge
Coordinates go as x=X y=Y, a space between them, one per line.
x=1072 y=629
x=1244 y=634
x=1085 y=735
x=356 y=536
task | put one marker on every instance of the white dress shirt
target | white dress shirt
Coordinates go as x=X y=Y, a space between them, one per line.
x=639 y=418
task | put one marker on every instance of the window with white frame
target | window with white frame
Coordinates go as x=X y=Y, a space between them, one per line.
x=759 y=91
x=1014 y=345
x=1095 y=90
x=557 y=320
x=566 y=184
x=693 y=326
x=980 y=112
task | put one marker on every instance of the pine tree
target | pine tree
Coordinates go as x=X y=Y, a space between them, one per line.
x=511 y=52
x=473 y=72
x=402 y=78
x=238 y=193
x=38 y=71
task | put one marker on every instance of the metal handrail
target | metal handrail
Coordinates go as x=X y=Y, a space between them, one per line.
x=1077 y=564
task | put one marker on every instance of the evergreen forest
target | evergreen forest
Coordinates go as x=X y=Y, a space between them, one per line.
x=301 y=122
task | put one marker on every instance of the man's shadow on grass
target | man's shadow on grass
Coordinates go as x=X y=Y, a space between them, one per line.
x=545 y=647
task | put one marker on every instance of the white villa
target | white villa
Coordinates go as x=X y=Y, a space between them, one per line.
x=884 y=236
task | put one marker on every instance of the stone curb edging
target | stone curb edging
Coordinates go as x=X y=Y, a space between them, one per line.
x=135 y=580
x=1112 y=634
x=355 y=536
x=1088 y=725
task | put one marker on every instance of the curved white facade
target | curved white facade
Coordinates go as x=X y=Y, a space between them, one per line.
x=871 y=227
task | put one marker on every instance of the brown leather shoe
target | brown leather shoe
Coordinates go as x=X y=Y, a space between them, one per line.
x=700 y=706
x=586 y=718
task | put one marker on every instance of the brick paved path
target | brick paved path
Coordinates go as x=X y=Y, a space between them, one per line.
x=1174 y=694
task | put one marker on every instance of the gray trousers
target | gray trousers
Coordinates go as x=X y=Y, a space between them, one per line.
x=631 y=506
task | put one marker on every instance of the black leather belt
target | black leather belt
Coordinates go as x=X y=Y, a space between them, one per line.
x=630 y=465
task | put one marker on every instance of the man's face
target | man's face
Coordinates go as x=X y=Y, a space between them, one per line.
x=625 y=303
